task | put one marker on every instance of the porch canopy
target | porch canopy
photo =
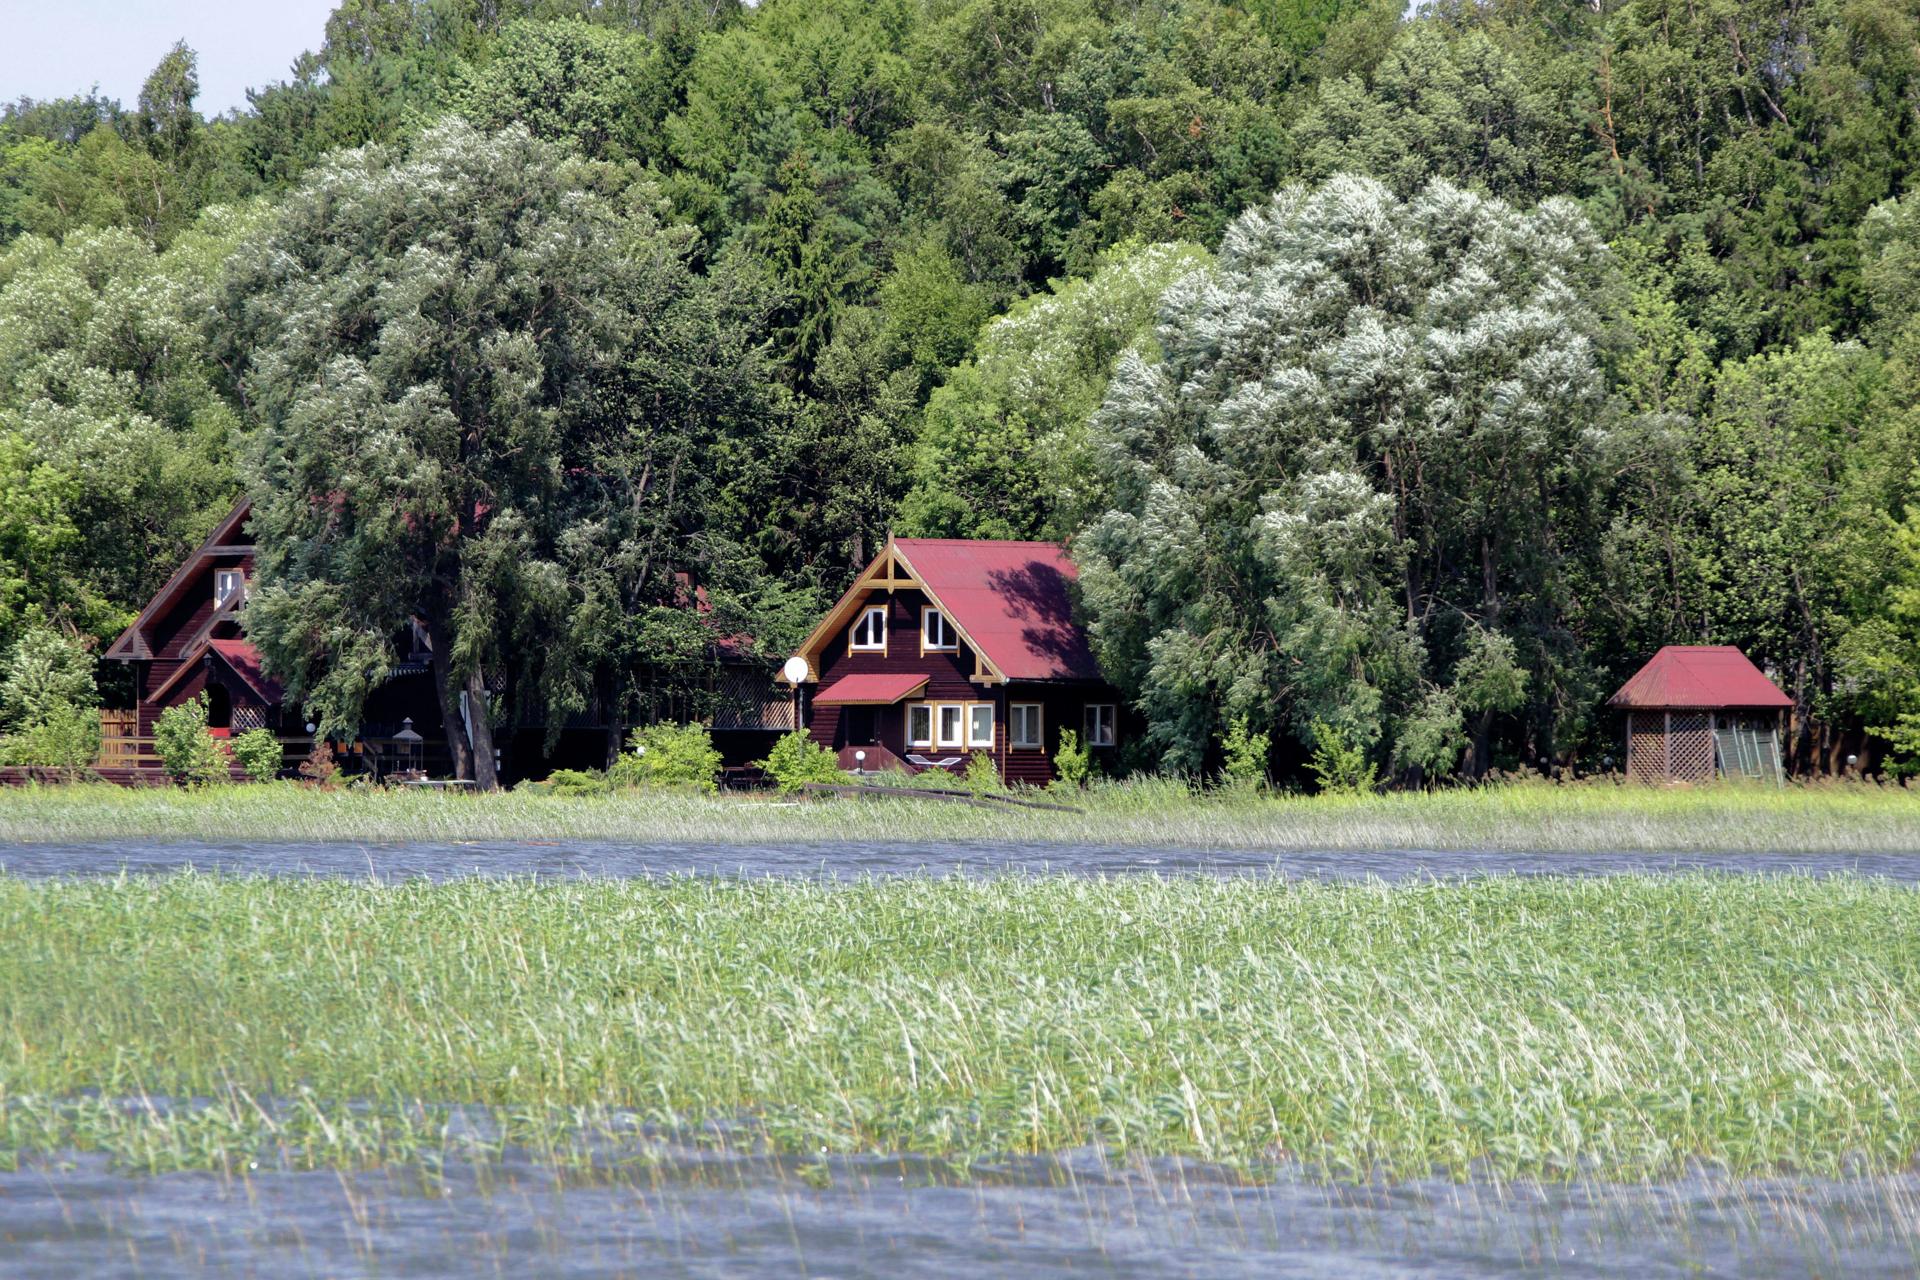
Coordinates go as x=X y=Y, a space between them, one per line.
x=872 y=689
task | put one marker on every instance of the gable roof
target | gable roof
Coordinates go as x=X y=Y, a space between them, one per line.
x=1700 y=676
x=134 y=641
x=245 y=661
x=1011 y=602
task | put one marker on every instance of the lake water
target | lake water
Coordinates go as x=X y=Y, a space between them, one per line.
x=819 y=861
x=728 y=1215
x=1077 y=1217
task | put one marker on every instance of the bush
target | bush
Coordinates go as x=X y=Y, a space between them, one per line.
x=260 y=754
x=982 y=777
x=1072 y=763
x=65 y=737
x=320 y=766
x=797 y=760
x=188 y=753
x=576 y=782
x=46 y=673
x=680 y=755
x=1341 y=768
x=1246 y=757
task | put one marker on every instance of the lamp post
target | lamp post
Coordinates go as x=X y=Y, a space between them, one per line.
x=406 y=745
x=795 y=671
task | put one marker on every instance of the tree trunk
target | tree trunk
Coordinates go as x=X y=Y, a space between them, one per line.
x=443 y=692
x=480 y=725
x=614 y=690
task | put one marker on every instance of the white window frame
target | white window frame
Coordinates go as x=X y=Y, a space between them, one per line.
x=940 y=736
x=913 y=741
x=930 y=614
x=853 y=633
x=974 y=739
x=1023 y=717
x=1100 y=715
x=238 y=577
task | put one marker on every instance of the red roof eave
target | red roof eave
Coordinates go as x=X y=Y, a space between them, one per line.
x=871 y=689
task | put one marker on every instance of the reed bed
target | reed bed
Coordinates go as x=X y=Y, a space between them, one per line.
x=1858 y=818
x=1562 y=1027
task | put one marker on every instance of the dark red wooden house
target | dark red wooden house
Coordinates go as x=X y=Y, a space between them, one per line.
x=1695 y=712
x=947 y=647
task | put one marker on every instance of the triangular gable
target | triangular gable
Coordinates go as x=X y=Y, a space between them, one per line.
x=132 y=643
x=889 y=571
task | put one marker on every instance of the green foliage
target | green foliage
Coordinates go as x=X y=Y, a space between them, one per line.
x=46 y=671
x=797 y=759
x=1072 y=763
x=1245 y=752
x=576 y=782
x=982 y=776
x=1340 y=765
x=190 y=755
x=663 y=754
x=66 y=738
x=260 y=754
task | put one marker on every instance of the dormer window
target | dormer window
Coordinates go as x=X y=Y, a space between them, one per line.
x=870 y=632
x=936 y=633
x=228 y=583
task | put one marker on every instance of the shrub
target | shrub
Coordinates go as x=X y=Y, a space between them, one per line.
x=982 y=775
x=576 y=782
x=668 y=755
x=1072 y=763
x=188 y=753
x=797 y=760
x=260 y=754
x=65 y=737
x=320 y=766
x=46 y=672
x=1246 y=757
x=1341 y=768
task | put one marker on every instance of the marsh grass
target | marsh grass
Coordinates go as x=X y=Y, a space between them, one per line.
x=1618 y=1027
x=1538 y=817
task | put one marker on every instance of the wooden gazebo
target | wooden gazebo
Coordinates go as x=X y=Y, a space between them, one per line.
x=1695 y=712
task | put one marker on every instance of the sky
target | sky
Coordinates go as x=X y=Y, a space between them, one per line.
x=57 y=48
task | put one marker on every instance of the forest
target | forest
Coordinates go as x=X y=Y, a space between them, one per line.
x=1398 y=377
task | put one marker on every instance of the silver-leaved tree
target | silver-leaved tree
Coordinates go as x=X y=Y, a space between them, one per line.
x=1344 y=486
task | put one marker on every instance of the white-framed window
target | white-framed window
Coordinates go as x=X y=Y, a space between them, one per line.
x=950 y=719
x=870 y=632
x=936 y=633
x=1100 y=724
x=1024 y=726
x=228 y=583
x=980 y=725
x=920 y=724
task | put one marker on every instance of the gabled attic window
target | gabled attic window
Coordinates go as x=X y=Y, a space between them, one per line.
x=936 y=633
x=870 y=632
x=228 y=583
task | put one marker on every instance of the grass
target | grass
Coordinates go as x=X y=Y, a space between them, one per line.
x=1542 y=817
x=1618 y=1027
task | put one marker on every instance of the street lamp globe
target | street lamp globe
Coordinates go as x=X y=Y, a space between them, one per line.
x=795 y=669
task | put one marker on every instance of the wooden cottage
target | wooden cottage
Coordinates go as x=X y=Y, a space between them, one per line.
x=944 y=648
x=1695 y=712
x=189 y=640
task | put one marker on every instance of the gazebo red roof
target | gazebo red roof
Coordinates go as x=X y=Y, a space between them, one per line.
x=1699 y=676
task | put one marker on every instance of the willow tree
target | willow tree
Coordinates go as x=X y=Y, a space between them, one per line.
x=1345 y=487
x=438 y=339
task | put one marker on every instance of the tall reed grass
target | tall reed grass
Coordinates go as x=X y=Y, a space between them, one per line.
x=1620 y=1026
x=1541 y=817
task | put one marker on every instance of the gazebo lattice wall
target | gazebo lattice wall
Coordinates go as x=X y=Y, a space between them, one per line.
x=1670 y=746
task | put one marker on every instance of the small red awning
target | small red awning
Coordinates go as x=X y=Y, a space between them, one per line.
x=875 y=690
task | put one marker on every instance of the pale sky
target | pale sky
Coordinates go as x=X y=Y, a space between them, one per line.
x=58 y=48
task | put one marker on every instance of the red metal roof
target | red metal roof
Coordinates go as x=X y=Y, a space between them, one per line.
x=871 y=689
x=245 y=661
x=1699 y=675
x=1013 y=600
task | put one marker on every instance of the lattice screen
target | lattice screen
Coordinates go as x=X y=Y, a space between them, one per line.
x=248 y=717
x=1690 y=746
x=1647 y=746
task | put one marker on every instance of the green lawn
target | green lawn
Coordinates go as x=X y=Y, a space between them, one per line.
x=1619 y=1026
x=1860 y=818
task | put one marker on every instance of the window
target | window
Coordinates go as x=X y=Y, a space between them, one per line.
x=920 y=725
x=980 y=725
x=950 y=717
x=227 y=583
x=870 y=633
x=1100 y=724
x=1025 y=729
x=936 y=633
